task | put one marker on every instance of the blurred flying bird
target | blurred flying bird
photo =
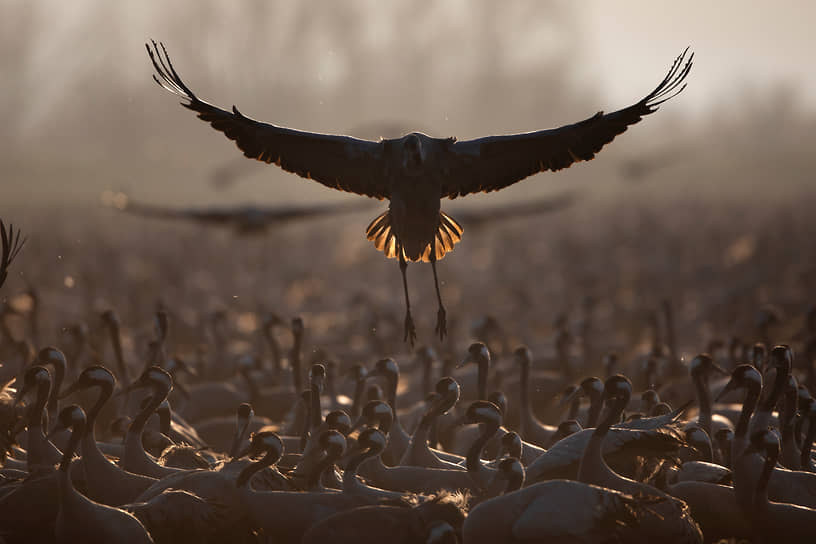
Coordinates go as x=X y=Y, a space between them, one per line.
x=245 y=220
x=481 y=217
x=416 y=171
x=11 y=245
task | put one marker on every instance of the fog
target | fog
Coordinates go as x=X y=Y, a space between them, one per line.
x=82 y=114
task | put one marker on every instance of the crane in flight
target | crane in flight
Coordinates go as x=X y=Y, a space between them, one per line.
x=416 y=171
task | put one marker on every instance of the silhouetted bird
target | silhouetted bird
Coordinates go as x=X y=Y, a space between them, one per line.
x=11 y=246
x=416 y=171
x=481 y=217
x=243 y=219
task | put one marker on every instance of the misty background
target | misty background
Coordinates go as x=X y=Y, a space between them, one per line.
x=81 y=113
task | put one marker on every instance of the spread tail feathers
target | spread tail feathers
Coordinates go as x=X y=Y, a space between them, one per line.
x=448 y=234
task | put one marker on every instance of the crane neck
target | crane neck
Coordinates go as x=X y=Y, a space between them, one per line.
x=246 y=474
x=488 y=429
x=592 y=460
x=105 y=393
x=700 y=379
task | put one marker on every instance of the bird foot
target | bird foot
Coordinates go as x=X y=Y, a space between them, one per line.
x=441 y=323
x=410 y=330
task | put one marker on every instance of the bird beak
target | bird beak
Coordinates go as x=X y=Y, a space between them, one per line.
x=730 y=386
x=466 y=361
x=568 y=398
x=719 y=369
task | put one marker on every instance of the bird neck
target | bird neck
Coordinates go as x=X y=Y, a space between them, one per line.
x=38 y=417
x=780 y=381
x=592 y=459
x=700 y=379
x=473 y=460
x=274 y=347
x=357 y=401
x=246 y=474
x=514 y=482
x=484 y=367
x=761 y=494
x=294 y=361
x=350 y=472
x=105 y=392
x=76 y=433
x=241 y=431
x=139 y=422
x=595 y=406
x=315 y=410
x=59 y=376
x=116 y=342
x=749 y=404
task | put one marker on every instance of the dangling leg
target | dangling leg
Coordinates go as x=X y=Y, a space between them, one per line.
x=441 y=321
x=410 y=330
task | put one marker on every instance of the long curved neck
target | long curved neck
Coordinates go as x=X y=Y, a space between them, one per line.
x=39 y=416
x=76 y=433
x=116 y=342
x=165 y=418
x=315 y=411
x=422 y=433
x=241 y=431
x=427 y=368
x=749 y=404
x=105 y=392
x=704 y=399
x=59 y=376
x=313 y=480
x=595 y=406
x=274 y=347
x=592 y=459
x=139 y=422
x=393 y=383
x=297 y=378
x=356 y=405
x=246 y=474
x=780 y=381
x=350 y=472
x=761 y=495
x=473 y=459
x=484 y=366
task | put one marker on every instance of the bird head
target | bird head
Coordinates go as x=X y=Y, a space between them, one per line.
x=413 y=154
x=477 y=353
x=743 y=376
x=96 y=375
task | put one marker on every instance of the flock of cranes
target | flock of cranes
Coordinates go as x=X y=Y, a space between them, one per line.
x=456 y=445
x=240 y=454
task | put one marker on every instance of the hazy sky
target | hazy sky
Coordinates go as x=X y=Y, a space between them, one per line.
x=739 y=45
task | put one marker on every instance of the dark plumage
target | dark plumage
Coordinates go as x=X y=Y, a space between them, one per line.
x=416 y=171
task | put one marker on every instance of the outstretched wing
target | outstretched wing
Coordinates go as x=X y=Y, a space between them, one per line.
x=340 y=162
x=492 y=163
